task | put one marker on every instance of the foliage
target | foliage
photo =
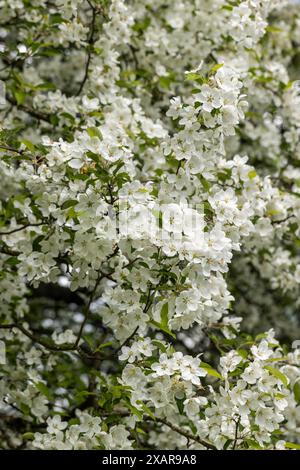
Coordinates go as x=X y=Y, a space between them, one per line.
x=149 y=224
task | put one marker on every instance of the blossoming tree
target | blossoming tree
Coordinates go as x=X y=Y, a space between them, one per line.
x=149 y=224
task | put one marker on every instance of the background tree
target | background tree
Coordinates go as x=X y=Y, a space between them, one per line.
x=149 y=224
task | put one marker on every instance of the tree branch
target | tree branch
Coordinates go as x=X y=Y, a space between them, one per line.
x=86 y=310
x=33 y=112
x=35 y=339
x=90 y=46
x=18 y=229
x=184 y=433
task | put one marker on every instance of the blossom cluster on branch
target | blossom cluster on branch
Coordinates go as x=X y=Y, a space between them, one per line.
x=149 y=224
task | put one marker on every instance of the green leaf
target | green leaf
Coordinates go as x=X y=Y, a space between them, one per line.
x=43 y=389
x=180 y=405
x=164 y=315
x=45 y=86
x=277 y=359
x=135 y=411
x=243 y=353
x=252 y=174
x=296 y=390
x=36 y=243
x=81 y=396
x=279 y=396
x=120 y=164
x=192 y=76
x=142 y=25
x=227 y=7
x=166 y=81
x=25 y=409
x=54 y=119
x=117 y=391
x=146 y=410
x=273 y=29
x=94 y=132
x=104 y=345
x=210 y=370
x=104 y=426
x=12 y=261
x=253 y=444
x=160 y=345
x=28 y=436
x=216 y=68
x=279 y=375
x=69 y=203
x=141 y=431
x=260 y=336
x=291 y=445
x=163 y=328
x=28 y=144
x=20 y=96
x=206 y=185
x=227 y=444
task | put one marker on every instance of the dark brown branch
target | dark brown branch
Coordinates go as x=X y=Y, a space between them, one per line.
x=10 y=149
x=90 y=47
x=186 y=434
x=86 y=310
x=172 y=426
x=27 y=109
x=18 y=229
x=282 y=220
x=236 y=433
x=35 y=339
x=127 y=340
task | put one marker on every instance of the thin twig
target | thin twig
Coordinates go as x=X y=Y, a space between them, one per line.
x=282 y=220
x=18 y=229
x=33 y=112
x=186 y=434
x=87 y=308
x=90 y=46
x=35 y=339
x=10 y=149
x=236 y=433
x=127 y=340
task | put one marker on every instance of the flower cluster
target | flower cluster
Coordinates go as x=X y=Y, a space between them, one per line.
x=149 y=224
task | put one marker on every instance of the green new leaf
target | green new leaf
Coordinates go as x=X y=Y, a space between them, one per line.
x=105 y=345
x=69 y=203
x=163 y=328
x=253 y=444
x=135 y=411
x=252 y=174
x=28 y=436
x=146 y=410
x=28 y=144
x=43 y=389
x=180 y=404
x=291 y=445
x=206 y=185
x=12 y=261
x=216 y=68
x=20 y=96
x=296 y=390
x=94 y=132
x=279 y=375
x=210 y=370
x=243 y=353
x=164 y=315
x=273 y=29
x=192 y=76
x=160 y=345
